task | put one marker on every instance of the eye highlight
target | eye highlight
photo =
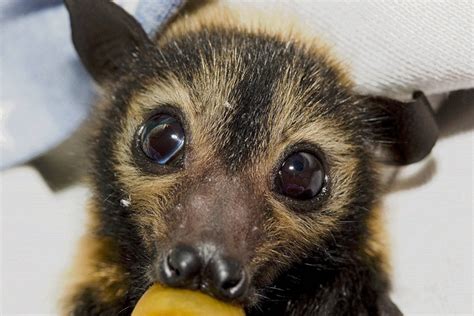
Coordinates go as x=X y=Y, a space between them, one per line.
x=162 y=138
x=301 y=176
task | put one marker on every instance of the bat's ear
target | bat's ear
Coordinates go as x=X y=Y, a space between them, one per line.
x=402 y=133
x=105 y=36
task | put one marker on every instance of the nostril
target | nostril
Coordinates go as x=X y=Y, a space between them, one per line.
x=229 y=279
x=173 y=266
x=181 y=266
x=235 y=288
x=229 y=284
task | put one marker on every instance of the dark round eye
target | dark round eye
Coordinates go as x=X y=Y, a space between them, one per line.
x=301 y=176
x=162 y=138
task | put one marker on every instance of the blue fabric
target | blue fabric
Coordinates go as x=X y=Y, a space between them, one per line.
x=45 y=93
x=13 y=9
x=147 y=13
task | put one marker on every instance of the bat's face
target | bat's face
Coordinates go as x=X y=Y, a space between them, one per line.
x=225 y=157
x=234 y=159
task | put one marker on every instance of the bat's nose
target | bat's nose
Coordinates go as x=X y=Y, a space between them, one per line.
x=228 y=279
x=187 y=267
x=181 y=267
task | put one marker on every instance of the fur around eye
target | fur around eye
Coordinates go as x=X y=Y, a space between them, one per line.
x=162 y=138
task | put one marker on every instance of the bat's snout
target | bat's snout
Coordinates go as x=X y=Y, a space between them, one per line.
x=206 y=269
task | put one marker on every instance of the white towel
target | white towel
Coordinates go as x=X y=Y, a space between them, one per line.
x=391 y=47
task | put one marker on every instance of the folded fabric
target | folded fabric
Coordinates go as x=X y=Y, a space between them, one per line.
x=391 y=48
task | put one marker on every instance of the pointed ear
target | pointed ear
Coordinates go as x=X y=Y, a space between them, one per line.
x=105 y=36
x=403 y=133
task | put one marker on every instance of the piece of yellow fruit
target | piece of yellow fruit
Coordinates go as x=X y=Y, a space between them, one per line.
x=163 y=301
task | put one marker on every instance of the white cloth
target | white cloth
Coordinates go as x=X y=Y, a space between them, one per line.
x=391 y=48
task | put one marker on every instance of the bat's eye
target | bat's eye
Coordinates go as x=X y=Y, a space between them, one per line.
x=301 y=176
x=162 y=138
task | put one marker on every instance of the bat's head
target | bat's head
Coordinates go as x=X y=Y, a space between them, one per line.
x=226 y=155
